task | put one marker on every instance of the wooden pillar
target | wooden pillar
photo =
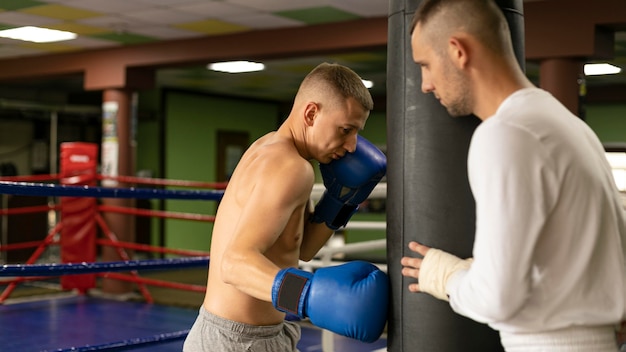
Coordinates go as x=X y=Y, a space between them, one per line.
x=117 y=155
x=562 y=78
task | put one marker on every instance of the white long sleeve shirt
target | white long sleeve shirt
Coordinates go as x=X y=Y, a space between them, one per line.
x=550 y=234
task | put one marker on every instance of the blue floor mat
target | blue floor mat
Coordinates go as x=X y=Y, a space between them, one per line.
x=63 y=323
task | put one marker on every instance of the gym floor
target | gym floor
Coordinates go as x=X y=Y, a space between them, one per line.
x=62 y=323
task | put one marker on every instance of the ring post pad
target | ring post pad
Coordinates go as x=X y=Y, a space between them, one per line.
x=290 y=290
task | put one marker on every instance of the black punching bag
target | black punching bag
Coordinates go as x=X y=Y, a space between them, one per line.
x=428 y=194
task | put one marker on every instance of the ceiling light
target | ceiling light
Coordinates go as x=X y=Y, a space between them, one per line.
x=601 y=69
x=37 y=34
x=368 y=84
x=236 y=66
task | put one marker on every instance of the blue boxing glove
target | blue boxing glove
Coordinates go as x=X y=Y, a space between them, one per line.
x=349 y=299
x=349 y=181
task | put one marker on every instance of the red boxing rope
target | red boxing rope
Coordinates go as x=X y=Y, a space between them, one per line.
x=156 y=213
x=19 y=280
x=31 y=178
x=149 y=248
x=164 y=182
x=23 y=245
x=154 y=282
x=28 y=210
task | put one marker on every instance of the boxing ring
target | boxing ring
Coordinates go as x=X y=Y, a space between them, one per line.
x=79 y=317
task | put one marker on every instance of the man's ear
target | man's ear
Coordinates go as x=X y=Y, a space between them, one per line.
x=310 y=113
x=458 y=50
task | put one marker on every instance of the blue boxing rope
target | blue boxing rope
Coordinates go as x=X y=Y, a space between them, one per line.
x=22 y=270
x=51 y=189
x=131 y=344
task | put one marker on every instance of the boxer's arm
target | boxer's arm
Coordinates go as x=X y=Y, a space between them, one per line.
x=262 y=220
x=315 y=237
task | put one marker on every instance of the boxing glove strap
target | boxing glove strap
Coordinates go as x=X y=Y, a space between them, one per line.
x=289 y=291
x=333 y=212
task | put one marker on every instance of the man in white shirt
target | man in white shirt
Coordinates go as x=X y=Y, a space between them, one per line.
x=548 y=268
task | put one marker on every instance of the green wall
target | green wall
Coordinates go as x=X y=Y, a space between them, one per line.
x=376 y=129
x=608 y=121
x=148 y=159
x=192 y=122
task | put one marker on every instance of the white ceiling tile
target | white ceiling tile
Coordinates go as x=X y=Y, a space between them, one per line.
x=24 y=19
x=215 y=9
x=366 y=8
x=108 y=6
x=57 y=1
x=116 y=23
x=280 y=5
x=7 y=41
x=264 y=21
x=163 y=32
x=91 y=43
x=163 y=16
x=168 y=2
x=15 y=51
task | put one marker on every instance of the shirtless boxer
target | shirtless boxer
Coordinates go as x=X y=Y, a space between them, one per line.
x=265 y=224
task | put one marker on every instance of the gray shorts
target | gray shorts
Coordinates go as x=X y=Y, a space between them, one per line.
x=216 y=334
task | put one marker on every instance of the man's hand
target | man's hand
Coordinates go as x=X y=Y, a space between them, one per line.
x=411 y=265
x=433 y=271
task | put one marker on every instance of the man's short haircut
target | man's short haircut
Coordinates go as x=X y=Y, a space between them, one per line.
x=338 y=80
x=483 y=19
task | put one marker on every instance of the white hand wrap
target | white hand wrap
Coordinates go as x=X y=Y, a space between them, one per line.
x=437 y=267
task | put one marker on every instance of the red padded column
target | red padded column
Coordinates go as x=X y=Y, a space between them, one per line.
x=78 y=235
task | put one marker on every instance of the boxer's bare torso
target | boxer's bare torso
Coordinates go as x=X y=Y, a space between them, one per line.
x=248 y=219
